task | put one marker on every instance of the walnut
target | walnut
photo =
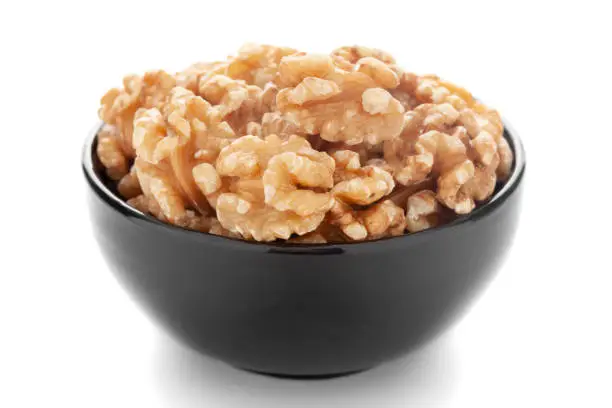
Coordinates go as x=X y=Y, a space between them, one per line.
x=186 y=133
x=159 y=187
x=325 y=233
x=433 y=151
x=248 y=156
x=430 y=89
x=485 y=129
x=401 y=193
x=257 y=64
x=407 y=101
x=362 y=186
x=313 y=237
x=217 y=229
x=312 y=89
x=190 y=77
x=196 y=222
x=359 y=185
x=506 y=158
x=164 y=200
x=192 y=119
x=478 y=119
x=380 y=220
x=236 y=102
x=267 y=99
x=287 y=171
x=255 y=220
x=438 y=137
x=380 y=163
x=147 y=205
x=224 y=91
x=340 y=105
x=423 y=143
x=423 y=211
x=254 y=129
x=110 y=153
x=118 y=106
x=346 y=160
x=352 y=54
x=364 y=151
x=453 y=188
x=295 y=68
x=129 y=186
x=149 y=132
x=474 y=116
x=276 y=197
x=207 y=178
x=373 y=116
x=380 y=72
x=485 y=149
x=384 y=219
x=405 y=91
x=274 y=123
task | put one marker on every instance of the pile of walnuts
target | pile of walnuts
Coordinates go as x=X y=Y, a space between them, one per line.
x=279 y=144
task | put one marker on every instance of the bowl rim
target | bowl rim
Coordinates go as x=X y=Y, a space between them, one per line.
x=119 y=205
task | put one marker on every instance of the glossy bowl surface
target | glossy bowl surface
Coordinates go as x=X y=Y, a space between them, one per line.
x=307 y=311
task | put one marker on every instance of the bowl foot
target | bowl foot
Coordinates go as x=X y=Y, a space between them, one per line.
x=313 y=377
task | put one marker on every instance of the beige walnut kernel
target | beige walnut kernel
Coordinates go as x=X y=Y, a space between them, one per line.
x=295 y=68
x=257 y=64
x=381 y=73
x=280 y=199
x=110 y=153
x=261 y=223
x=352 y=54
x=422 y=211
x=372 y=117
x=118 y=106
x=274 y=123
x=380 y=220
x=287 y=171
x=359 y=185
x=129 y=186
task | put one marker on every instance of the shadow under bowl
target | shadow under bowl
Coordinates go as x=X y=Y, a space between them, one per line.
x=303 y=311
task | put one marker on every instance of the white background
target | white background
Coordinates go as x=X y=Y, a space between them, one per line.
x=540 y=336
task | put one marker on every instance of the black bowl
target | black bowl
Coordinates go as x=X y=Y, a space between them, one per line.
x=307 y=310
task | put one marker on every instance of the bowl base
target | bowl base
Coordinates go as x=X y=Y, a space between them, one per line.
x=314 y=377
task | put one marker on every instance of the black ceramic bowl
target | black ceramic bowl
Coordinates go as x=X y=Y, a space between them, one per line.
x=308 y=310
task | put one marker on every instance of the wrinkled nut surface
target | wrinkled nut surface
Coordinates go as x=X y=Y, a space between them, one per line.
x=260 y=222
x=276 y=144
x=110 y=153
x=274 y=123
x=359 y=185
x=352 y=54
x=257 y=64
x=350 y=112
x=379 y=220
x=287 y=171
x=129 y=186
x=118 y=106
x=274 y=188
x=422 y=211
x=381 y=73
